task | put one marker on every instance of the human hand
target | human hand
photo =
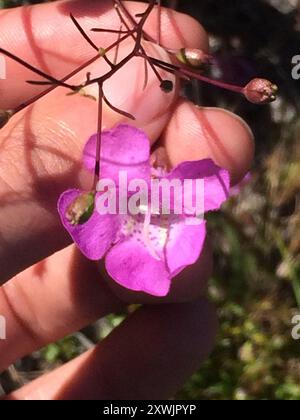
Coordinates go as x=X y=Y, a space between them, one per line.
x=155 y=350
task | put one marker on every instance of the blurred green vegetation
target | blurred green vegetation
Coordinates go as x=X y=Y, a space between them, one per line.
x=256 y=285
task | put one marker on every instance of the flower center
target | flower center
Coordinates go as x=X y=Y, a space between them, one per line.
x=151 y=230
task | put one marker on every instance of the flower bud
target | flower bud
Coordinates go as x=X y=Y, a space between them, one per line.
x=193 y=57
x=81 y=210
x=159 y=162
x=4 y=117
x=261 y=91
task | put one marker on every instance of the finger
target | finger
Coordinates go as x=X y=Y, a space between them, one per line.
x=209 y=133
x=51 y=300
x=44 y=36
x=149 y=356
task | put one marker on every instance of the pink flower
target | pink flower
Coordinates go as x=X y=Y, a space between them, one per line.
x=142 y=252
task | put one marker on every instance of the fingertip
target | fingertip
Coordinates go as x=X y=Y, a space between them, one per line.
x=199 y=133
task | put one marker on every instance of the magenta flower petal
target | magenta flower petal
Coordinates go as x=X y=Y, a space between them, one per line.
x=185 y=245
x=130 y=264
x=124 y=148
x=94 y=237
x=216 y=181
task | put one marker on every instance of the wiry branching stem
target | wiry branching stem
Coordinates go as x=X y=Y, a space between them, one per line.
x=142 y=50
x=118 y=46
x=257 y=91
x=126 y=12
x=159 y=22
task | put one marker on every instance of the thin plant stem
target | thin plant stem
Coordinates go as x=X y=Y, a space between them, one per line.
x=111 y=31
x=99 y=137
x=196 y=91
x=182 y=72
x=159 y=22
x=135 y=52
x=138 y=34
x=142 y=51
x=146 y=74
x=34 y=69
x=132 y=20
x=118 y=110
x=30 y=101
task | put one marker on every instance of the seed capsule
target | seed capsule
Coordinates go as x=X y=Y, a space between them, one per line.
x=4 y=117
x=81 y=210
x=261 y=91
x=167 y=86
x=193 y=57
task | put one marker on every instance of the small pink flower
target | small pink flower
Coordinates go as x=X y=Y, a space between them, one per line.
x=142 y=252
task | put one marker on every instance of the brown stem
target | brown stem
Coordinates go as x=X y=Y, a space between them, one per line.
x=118 y=46
x=134 y=52
x=146 y=74
x=138 y=34
x=30 y=101
x=83 y=33
x=138 y=50
x=111 y=31
x=118 y=110
x=132 y=20
x=183 y=72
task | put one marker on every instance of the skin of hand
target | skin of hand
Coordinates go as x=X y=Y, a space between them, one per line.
x=48 y=289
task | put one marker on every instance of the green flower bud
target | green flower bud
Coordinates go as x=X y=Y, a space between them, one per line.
x=81 y=210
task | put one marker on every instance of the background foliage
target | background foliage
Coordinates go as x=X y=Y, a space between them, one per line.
x=256 y=285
